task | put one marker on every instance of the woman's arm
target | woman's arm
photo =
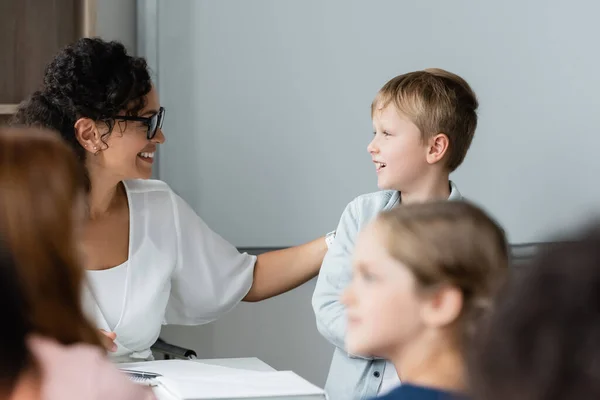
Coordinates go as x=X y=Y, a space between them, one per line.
x=278 y=271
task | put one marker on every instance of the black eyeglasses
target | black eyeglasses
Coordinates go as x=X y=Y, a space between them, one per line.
x=153 y=122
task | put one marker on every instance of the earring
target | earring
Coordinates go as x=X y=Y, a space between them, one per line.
x=95 y=148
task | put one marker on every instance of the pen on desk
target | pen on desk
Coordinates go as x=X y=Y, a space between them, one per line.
x=141 y=374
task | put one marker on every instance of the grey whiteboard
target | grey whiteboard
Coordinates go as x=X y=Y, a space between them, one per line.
x=268 y=106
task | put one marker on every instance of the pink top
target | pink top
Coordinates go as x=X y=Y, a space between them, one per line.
x=82 y=371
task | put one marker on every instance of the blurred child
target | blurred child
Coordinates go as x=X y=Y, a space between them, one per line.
x=423 y=275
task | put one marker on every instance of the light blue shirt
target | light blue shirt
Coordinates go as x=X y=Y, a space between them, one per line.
x=350 y=377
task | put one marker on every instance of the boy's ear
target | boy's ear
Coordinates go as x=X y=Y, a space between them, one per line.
x=442 y=307
x=438 y=146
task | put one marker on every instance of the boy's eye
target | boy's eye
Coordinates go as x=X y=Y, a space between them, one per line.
x=384 y=133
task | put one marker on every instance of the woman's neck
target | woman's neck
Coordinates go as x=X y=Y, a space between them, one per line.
x=105 y=196
x=441 y=367
x=106 y=191
x=102 y=199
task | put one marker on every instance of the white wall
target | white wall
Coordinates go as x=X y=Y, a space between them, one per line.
x=268 y=122
x=116 y=20
x=270 y=100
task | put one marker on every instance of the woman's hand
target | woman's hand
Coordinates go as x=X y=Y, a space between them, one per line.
x=108 y=340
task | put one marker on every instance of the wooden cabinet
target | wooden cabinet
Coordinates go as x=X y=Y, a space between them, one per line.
x=33 y=31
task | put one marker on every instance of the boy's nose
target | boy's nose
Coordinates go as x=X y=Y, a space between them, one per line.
x=372 y=147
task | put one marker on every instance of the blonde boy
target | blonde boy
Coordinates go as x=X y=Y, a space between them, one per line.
x=424 y=123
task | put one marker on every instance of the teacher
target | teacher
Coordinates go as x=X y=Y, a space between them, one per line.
x=150 y=259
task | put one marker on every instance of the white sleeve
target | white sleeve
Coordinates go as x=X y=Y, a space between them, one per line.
x=210 y=277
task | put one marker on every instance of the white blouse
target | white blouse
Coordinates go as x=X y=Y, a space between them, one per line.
x=178 y=272
x=110 y=301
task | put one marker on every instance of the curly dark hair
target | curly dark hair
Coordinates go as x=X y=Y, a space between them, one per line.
x=542 y=342
x=90 y=78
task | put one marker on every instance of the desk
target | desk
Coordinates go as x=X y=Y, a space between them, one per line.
x=250 y=364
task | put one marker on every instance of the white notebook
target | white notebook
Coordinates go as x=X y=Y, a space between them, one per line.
x=189 y=380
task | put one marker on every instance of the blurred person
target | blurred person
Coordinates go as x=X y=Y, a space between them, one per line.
x=49 y=350
x=542 y=339
x=423 y=276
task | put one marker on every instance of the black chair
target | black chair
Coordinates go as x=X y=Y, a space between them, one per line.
x=522 y=254
x=170 y=351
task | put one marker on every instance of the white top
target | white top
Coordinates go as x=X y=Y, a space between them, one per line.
x=390 y=379
x=178 y=272
x=108 y=287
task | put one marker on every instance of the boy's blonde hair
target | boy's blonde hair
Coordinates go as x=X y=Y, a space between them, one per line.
x=436 y=101
x=449 y=243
